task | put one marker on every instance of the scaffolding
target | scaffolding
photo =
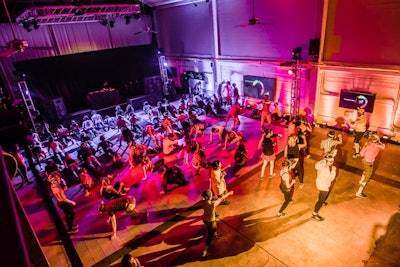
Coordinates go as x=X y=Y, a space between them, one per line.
x=47 y=15
x=164 y=74
x=295 y=88
x=30 y=107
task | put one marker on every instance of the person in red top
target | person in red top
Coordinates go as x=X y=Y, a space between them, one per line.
x=369 y=153
x=265 y=112
x=233 y=113
x=126 y=204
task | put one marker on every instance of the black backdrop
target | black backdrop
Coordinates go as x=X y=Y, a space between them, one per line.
x=73 y=76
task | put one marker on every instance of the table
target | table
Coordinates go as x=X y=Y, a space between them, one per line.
x=103 y=98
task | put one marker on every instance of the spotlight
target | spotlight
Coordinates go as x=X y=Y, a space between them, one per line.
x=290 y=72
x=297 y=50
x=296 y=53
x=136 y=16
x=111 y=22
x=104 y=23
x=35 y=25
x=27 y=26
x=127 y=20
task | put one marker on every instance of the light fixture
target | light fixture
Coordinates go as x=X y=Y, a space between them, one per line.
x=35 y=24
x=111 y=22
x=27 y=26
x=127 y=20
x=104 y=23
x=296 y=53
x=136 y=16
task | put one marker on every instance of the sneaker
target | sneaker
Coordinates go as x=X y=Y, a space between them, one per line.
x=262 y=178
x=308 y=156
x=361 y=195
x=301 y=185
x=291 y=201
x=225 y=202
x=355 y=155
x=144 y=179
x=325 y=204
x=317 y=217
x=113 y=237
x=205 y=254
x=272 y=176
x=281 y=214
x=217 y=236
x=87 y=194
x=73 y=231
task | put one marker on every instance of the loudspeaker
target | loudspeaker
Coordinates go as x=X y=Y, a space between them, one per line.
x=313 y=48
x=60 y=108
x=152 y=85
x=55 y=108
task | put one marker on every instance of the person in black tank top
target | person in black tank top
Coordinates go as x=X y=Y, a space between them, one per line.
x=287 y=184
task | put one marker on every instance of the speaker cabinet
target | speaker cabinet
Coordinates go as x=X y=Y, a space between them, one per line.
x=55 y=108
x=153 y=85
x=313 y=48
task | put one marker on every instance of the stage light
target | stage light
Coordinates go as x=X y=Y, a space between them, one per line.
x=127 y=20
x=290 y=72
x=296 y=53
x=111 y=22
x=35 y=25
x=27 y=26
x=104 y=23
x=136 y=16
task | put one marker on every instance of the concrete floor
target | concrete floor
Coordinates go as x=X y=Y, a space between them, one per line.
x=173 y=233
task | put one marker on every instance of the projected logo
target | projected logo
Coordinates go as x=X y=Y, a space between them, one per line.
x=362 y=101
x=259 y=84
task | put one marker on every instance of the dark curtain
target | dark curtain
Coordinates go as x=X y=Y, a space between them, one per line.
x=74 y=76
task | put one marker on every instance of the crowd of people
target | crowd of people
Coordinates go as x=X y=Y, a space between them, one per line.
x=170 y=129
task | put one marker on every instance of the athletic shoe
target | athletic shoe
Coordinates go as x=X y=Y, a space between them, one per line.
x=301 y=185
x=225 y=202
x=205 y=254
x=262 y=178
x=325 y=204
x=317 y=217
x=355 y=155
x=281 y=214
x=361 y=195
x=291 y=201
x=217 y=236
x=272 y=175
x=73 y=231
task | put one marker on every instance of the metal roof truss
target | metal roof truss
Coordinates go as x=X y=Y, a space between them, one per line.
x=75 y=14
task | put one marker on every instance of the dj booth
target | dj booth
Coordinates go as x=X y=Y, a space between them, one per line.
x=103 y=98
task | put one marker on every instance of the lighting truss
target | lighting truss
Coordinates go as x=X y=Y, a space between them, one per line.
x=47 y=15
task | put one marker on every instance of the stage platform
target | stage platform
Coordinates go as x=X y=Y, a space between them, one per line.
x=173 y=233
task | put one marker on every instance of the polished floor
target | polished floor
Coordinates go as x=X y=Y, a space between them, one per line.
x=173 y=233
